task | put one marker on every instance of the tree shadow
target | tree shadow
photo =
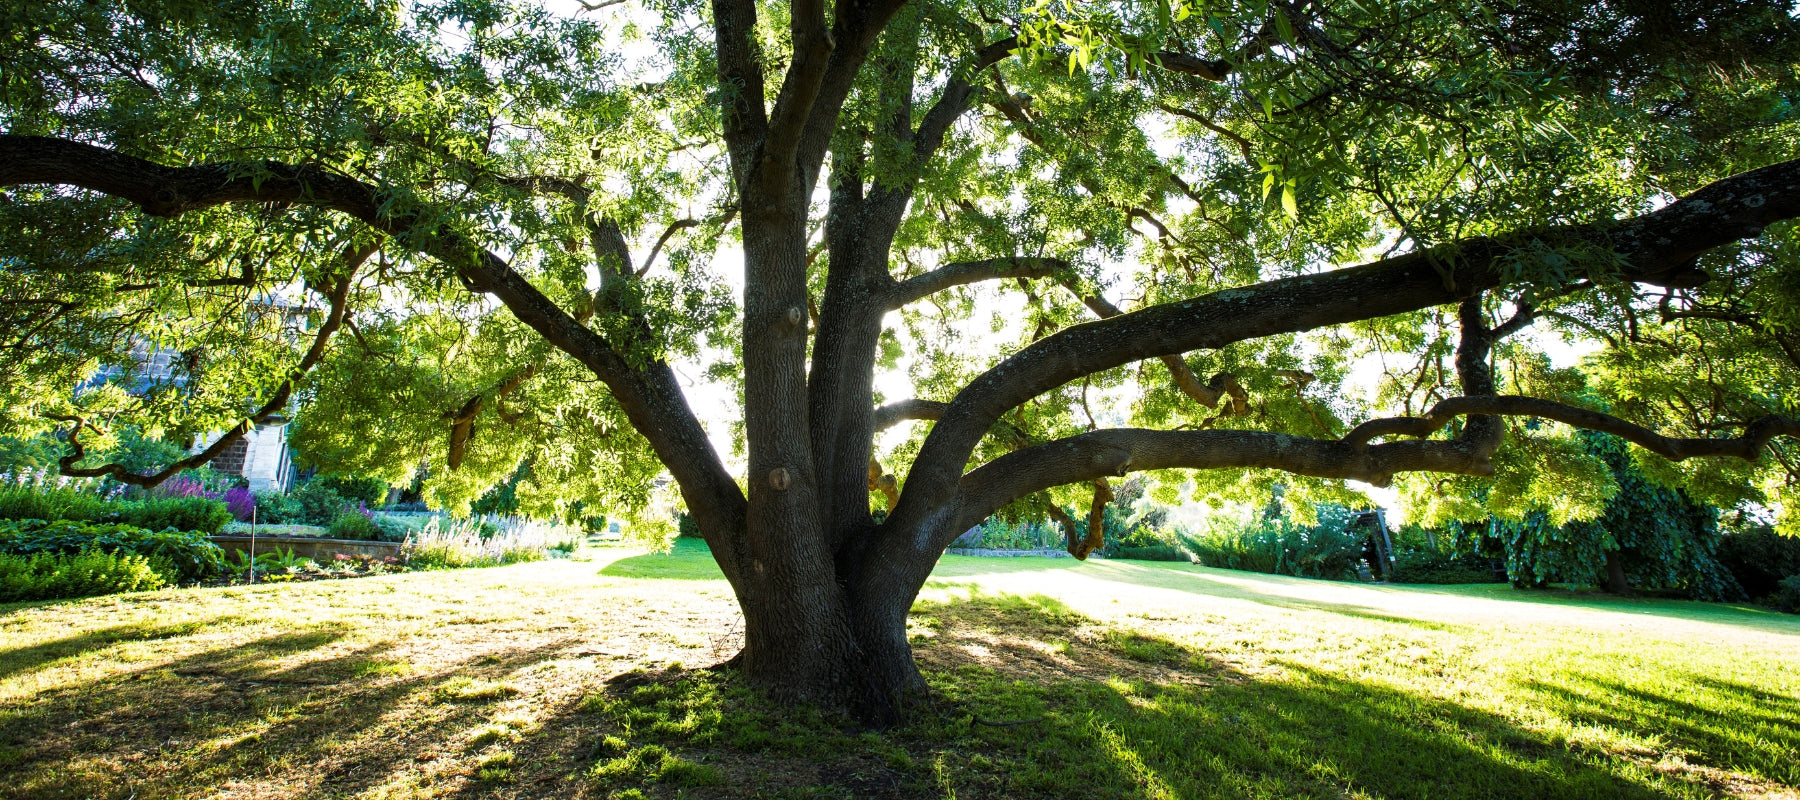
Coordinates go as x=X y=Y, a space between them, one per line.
x=19 y=660
x=336 y=725
x=1268 y=589
x=1713 y=725
x=1032 y=700
x=1164 y=719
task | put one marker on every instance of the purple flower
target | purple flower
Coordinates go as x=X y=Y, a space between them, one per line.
x=184 y=486
x=241 y=501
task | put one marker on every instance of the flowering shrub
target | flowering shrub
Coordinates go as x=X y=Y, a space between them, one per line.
x=241 y=502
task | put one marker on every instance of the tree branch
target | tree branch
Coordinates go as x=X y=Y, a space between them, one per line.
x=651 y=397
x=1747 y=446
x=662 y=240
x=1120 y=451
x=894 y=413
x=337 y=295
x=1218 y=70
x=956 y=97
x=1242 y=143
x=962 y=273
x=744 y=118
x=1658 y=247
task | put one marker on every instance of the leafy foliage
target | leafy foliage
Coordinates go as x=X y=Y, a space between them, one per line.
x=182 y=556
x=1759 y=559
x=1445 y=556
x=57 y=576
x=356 y=524
x=278 y=508
x=1662 y=538
x=1280 y=546
x=201 y=514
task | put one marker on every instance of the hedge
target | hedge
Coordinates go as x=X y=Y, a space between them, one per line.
x=182 y=556
x=152 y=513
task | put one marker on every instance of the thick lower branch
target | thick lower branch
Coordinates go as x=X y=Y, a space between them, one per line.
x=1117 y=452
x=894 y=413
x=651 y=396
x=1657 y=246
x=1120 y=451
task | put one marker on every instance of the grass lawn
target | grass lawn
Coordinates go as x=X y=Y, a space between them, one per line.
x=1054 y=679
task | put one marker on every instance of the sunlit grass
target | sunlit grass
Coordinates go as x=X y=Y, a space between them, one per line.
x=1054 y=679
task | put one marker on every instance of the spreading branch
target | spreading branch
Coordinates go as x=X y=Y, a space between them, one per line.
x=1657 y=248
x=894 y=413
x=650 y=396
x=962 y=273
x=1748 y=446
x=1116 y=452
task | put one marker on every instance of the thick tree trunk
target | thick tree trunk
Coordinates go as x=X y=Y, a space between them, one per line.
x=841 y=648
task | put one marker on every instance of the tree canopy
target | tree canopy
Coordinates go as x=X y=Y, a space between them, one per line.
x=1239 y=244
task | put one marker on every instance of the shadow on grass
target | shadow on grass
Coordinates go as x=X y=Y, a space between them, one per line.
x=1270 y=590
x=336 y=725
x=44 y=654
x=1711 y=722
x=1034 y=700
x=1165 y=720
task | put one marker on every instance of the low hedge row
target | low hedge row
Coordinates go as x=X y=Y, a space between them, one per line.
x=152 y=513
x=181 y=556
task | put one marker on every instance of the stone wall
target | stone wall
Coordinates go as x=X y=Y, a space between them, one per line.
x=312 y=547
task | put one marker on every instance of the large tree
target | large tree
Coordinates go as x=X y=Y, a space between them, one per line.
x=504 y=220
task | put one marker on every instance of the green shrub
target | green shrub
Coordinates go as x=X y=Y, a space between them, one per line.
x=24 y=502
x=354 y=525
x=1159 y=552
x=152 y=513
x=180 y=513
x=276 y=508
x=393 y=529
x=353 y=488
x=180 y=555
x=1759 y=558
x=520 y=555
x=57 y=576
x=319 y=505
x=1282 y=547
x=1428 y=566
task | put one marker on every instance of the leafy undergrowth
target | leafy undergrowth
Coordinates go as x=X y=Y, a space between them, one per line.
x=1051 y=680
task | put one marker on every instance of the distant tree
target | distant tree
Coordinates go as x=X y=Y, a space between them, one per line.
x=502 y=224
